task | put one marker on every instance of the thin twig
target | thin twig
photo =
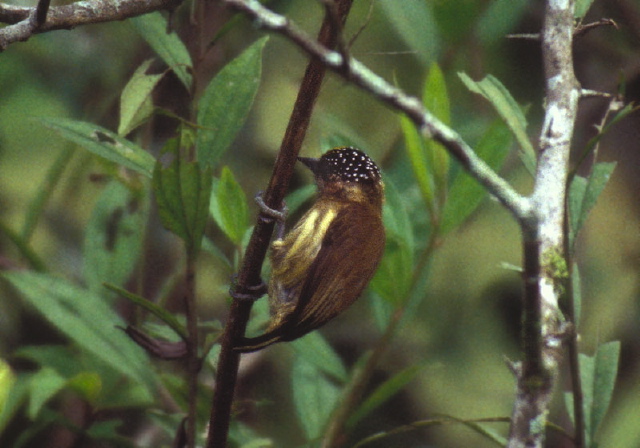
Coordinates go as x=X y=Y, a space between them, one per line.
x=581 y=29
x=193 y=362
x=249 y=274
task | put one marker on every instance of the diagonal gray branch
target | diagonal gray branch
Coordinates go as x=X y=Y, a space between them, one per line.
x=357 y=73
x=22 y=23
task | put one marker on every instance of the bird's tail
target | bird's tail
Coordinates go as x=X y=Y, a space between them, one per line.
x=248 y=345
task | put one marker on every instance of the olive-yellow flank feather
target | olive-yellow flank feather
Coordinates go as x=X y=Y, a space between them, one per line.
x=323 y=264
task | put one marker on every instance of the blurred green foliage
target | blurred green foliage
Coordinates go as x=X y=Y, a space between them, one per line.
x=81 y=219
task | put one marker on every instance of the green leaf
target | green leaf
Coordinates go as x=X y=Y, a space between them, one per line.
x=103 y=143
x=45 y=190
x=606 y=370
x=114 y=236
x=183 y=191
x=417 y=152
x=577 y=191
x=383 y=393
x=153 y=28
x=429 y=159
x=136 y=105
x=393 y=277
x=226 y=102
x=436 y=100
x=15 y=391
x=162 y=314
x=7 y=380
x=466 y=194
x=584 y=194
x=500 y=17
x=502 y=101
x=314 y=397
x=415 y=23
x=581 y=8
x=597 y=376
x=229 y=207
x=44 y=385
x=52 y=356
x=316 y=351
x=87 y=320
x=577 y=295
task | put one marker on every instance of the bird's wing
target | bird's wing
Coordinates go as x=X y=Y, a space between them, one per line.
x=351 y=249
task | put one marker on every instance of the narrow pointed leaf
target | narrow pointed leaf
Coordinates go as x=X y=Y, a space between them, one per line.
x=314 y=396
x=226 y=102
x=581 y=8
x=229 y=207
x=45 y=384
x=577 y=191
x=162 y=314
x=466 y=194
x=136 y=105
x=153 y=28
x=436 y=100
x=507 y=107
x=598 y=179
x=606 y=370
x=393 y=277
x=103 y=143
x=384 y=392
x=86 y=319
x=416 y=150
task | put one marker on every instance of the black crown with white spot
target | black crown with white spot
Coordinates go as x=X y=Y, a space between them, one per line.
x=348 y=164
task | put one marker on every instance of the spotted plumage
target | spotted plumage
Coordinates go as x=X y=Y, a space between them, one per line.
x=323 y=264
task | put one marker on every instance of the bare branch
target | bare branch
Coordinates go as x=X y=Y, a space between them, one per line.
x=543 y=333
x=23 y=24
x=430 y=127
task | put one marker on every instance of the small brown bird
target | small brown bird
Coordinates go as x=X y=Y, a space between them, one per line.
x=324 y=263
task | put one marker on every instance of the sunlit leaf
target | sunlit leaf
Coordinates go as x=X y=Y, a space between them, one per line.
x=45 y=384
x=226 y=102
x=103 y=143
x=436 y=100
x=417 y=152
x=229 y=207
x=154 y=28
x=507 y=107
x=581 y=8
x=136 y=105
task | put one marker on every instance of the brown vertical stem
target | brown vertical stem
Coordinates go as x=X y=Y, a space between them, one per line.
x=193 y=363
x=249 y=273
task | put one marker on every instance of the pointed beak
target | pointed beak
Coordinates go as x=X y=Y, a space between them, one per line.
x=310 y=163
